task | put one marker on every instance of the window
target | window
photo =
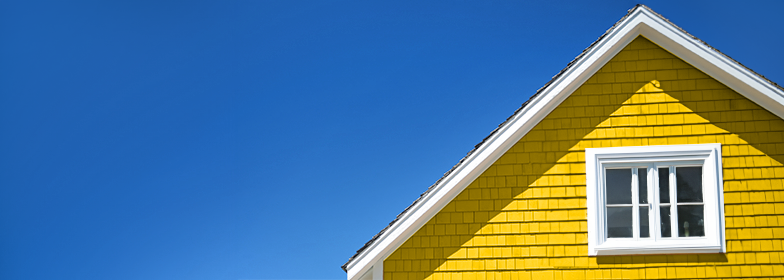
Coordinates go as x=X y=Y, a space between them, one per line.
x=655 y=200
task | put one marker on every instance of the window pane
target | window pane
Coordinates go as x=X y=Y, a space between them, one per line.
x=619 y=186
x=642 y=182
x=619 y=221
x=644 y=232
x=691 y=220
x=664 y=185
x=666 y=229
x=689 y=182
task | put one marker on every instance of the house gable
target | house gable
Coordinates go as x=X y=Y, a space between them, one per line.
x=525 y=216
x=430 y=237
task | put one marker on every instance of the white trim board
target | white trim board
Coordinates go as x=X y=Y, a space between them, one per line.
x=640 y=21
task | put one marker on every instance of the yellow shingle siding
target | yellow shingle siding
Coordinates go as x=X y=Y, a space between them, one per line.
x=525 y=217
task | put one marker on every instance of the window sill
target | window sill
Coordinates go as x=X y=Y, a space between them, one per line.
x=656 y=250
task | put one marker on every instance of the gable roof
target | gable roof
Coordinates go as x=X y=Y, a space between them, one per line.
x=639 y=21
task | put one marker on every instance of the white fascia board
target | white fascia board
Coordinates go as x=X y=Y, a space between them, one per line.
x=640 y=22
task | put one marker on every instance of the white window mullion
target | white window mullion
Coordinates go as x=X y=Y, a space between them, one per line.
x=635 y=202
x=652 y=203
x=673 y=204
x=656 y=215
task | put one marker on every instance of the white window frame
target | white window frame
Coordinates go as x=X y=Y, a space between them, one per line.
x=708 y=155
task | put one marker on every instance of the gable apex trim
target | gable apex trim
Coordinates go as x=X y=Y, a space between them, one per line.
x=639 y=21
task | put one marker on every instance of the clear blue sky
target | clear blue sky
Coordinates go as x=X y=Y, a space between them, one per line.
x=270 y=139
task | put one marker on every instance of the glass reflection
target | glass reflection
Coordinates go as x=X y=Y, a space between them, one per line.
x=619 y=222
x=691 y=220
x=644 y=232
x=642 y=183
x=664 y=185
x=666 y=228
x=689 y=183
x=619 y=186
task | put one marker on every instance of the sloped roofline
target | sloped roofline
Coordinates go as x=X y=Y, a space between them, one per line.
x=639 y=21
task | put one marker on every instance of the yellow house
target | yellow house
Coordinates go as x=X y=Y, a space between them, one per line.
x=651 y=156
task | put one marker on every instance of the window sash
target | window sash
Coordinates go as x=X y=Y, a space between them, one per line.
x=654 y=203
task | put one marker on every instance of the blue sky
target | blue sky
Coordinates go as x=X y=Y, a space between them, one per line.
x=270 y=139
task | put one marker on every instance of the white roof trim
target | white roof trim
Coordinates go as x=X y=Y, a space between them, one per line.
x=640 y=21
